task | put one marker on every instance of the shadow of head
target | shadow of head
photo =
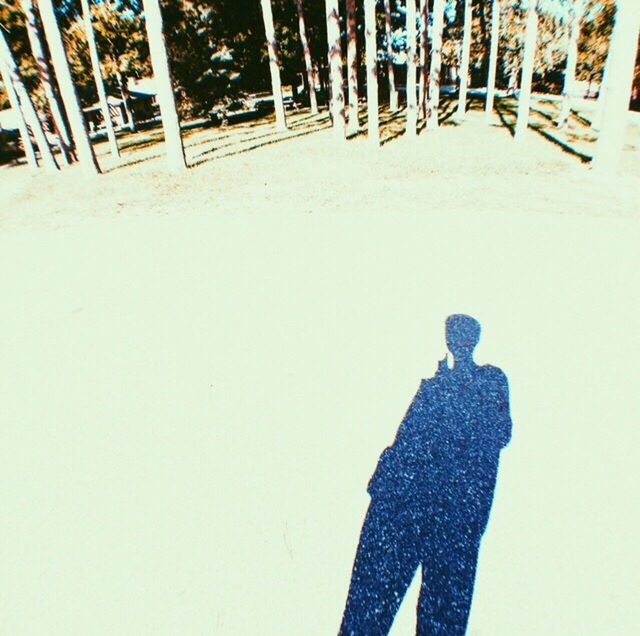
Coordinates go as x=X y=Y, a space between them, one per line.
x=463 y=334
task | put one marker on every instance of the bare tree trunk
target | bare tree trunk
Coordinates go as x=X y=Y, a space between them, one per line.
x=26 y=106
x=513 y=78
x=393 y=93
x=483 y=26
x=464 y=66
x=97 y=76
x=596 y=119
x=568 y=90
x=164 y=87
x=23 y=129
x=46 y=77
x=274 y=67
x=304 y=41
x=322 y=77
x=123 y=85
x=620 y=70
x=424 y=45
x=335 y=68
x=528 y=59
x=317 y=79
x=493 y=59
x=352 y=67
x=412 y=110
x=70 y=98
x=371 y=46
x=433 y=104
x=124 y=96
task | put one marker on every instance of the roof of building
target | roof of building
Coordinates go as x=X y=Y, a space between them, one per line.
x=142 y=87
x=111 y=100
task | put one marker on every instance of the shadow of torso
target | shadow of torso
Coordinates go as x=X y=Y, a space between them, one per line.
x=443 y=464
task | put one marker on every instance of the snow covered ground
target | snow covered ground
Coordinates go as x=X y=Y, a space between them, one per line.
x=199 y=374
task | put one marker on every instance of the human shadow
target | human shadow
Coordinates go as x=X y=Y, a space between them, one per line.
x=431 y=496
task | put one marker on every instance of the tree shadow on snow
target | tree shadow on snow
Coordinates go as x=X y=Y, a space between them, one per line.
x=544 y=124
x=203 y=143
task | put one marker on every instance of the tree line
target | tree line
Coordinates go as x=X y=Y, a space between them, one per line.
x=60 y=55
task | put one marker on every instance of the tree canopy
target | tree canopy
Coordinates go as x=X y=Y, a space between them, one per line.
x=217 y=48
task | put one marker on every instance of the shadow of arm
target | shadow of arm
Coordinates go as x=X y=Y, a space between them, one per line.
x=393 y=457
x=504 y=424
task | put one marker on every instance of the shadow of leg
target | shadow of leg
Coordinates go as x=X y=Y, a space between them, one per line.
x=448 y=578
x=385 y=563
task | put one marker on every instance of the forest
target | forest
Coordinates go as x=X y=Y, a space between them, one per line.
x=220 y=51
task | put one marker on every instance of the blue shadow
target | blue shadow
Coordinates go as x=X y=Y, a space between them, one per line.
x=431 y=496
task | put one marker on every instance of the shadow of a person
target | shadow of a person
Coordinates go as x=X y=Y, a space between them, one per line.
x=431 y=495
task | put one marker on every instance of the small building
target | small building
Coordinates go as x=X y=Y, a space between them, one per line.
x=117 y=111
x=142 y=98
x=141 y=106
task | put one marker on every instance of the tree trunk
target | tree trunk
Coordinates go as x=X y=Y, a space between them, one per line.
x=391 y=74
x=436 y=65
x=25 y=104
x=97 y=76
x=568 y=90
x=352 y=67
x=620 y=70
x=320 y=74
x=124 y=96
x=596 y=120
x=23 y=129
x=335 y=68
x=164 y=87
x=371 y=45
x=513 y=78
x=48 y=82
x=528 y=59
x=424 y=45
x=493 y=59
x=464 y=66
x=412 y=110
x=483 y=26
x=313 y=98
x=70 y=98
x=274 y=67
